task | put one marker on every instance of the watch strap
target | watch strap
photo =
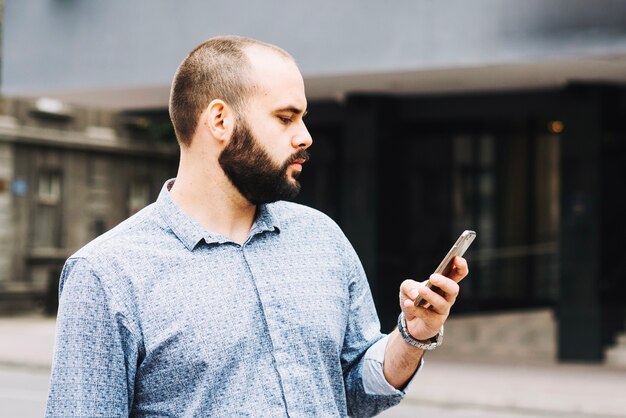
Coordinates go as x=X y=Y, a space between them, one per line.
x=429 y=344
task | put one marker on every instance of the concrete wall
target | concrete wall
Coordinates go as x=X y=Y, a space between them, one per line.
x=56 y=45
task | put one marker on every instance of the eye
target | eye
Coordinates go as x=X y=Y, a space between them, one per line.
x=286 y=120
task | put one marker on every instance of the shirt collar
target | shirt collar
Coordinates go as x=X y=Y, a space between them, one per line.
x=190 y=232
x=265 y=220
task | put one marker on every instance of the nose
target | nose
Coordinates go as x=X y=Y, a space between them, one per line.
x=303 y=138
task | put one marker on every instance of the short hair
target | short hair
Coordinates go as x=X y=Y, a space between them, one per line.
x=218 y=68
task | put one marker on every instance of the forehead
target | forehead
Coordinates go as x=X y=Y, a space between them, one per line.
x=277 y=79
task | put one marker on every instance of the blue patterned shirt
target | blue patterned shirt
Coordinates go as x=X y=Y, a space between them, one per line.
x=159 y=317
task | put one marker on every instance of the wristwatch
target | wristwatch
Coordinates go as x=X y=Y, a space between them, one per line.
x=429 y=344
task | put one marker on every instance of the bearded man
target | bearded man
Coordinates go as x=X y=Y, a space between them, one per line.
x=221 y=299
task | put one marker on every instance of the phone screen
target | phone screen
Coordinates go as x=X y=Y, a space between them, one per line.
x=445 y=267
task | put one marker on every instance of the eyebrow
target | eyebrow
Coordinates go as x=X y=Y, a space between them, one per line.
x=294 y=110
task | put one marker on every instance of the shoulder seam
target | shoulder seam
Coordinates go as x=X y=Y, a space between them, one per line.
x=110 y=294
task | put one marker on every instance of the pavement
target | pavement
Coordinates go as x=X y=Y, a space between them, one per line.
x=27 y=341
x=560 y=390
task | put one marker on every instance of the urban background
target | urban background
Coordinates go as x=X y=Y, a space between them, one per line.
x=428 y=118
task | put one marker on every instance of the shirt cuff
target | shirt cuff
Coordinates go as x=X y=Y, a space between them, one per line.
x=374 y=381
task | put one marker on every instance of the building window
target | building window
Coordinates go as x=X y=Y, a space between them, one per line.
x=507 y=185
x=99 y=227
x=49 y=190
x=138 y=196
x=47 y=216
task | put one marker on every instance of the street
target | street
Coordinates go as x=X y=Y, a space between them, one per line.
x=23 y=394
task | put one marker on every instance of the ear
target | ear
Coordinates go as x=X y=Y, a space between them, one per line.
x=219 y=120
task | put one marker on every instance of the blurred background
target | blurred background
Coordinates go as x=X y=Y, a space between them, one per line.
x=428 y=118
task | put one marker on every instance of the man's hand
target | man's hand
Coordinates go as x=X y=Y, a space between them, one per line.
x=402 y=359
x=424 y=323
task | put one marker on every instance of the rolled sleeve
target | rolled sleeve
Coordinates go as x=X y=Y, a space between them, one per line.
x=362 y=334
x=374 y=381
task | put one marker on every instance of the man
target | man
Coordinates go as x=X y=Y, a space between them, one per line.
x=219 y=299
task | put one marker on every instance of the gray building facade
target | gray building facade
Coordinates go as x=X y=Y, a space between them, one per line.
x=428 y=118
x=123 y=55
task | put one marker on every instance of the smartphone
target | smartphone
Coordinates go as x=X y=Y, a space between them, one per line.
x=445 y=267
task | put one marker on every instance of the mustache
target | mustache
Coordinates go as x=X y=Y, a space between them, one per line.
x=301 y=154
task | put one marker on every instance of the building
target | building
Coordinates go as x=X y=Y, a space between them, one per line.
x=66 y=176
x=428 y=117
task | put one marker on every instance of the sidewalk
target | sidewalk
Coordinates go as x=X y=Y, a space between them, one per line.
x=27 y=341
x=560 y=390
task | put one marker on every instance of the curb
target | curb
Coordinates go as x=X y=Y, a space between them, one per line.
x=510 y=408
x=15 y=365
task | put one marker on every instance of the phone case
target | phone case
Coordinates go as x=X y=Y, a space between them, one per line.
x=445 y=267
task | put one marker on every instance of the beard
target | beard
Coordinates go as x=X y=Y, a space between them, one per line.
x=252 y=171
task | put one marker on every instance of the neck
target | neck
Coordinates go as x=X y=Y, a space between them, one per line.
x=208 y=197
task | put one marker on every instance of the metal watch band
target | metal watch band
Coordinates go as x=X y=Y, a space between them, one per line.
x=430 y=344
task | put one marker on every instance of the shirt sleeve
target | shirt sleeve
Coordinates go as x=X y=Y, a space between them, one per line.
x=362 y=332
x=96 y=354
x=374 y=381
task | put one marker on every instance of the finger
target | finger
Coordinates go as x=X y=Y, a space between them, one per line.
x=411 y=311
x=438 y=304
x=449 y=287
x=460 y=269
x=409 y=289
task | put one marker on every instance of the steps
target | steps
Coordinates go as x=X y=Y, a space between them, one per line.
x=511 y=337
x=616 y=355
